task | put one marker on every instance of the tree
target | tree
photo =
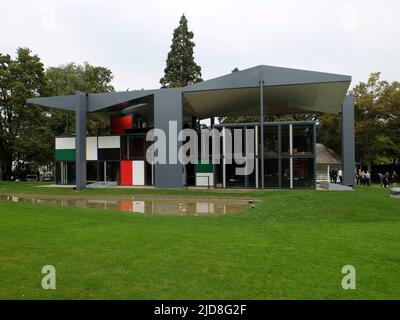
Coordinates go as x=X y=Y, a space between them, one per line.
x=66 y=80
x=181 y=69
x=26 y=131
x=377 y=111
x=23 y=131
x=377 y=122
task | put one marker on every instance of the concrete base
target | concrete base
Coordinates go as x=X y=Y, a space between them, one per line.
x=395 y=193
x=326 y=185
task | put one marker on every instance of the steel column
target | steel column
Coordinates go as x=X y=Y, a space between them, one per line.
x=262 y=131
x=80 y=140
x=315 y=154
x=291 y=154
x=348 y=141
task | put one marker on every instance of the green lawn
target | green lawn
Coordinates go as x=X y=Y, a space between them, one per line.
x=292 y=245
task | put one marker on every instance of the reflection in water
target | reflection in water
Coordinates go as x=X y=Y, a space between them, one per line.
x=175 y=206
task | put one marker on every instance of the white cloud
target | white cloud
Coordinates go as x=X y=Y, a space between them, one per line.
x=132 y=38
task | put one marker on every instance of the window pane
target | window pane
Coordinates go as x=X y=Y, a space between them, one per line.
x=303 y=172
x=124 y=147
x=303 y=139
x=70 y=172
x=271 y=142
x=112 y=171
x=101 y=171
x=232 y=179
x=285 y=140
x=271 y=171
x=91 y=171
x=285 y=173
x=58 y=173
x=251 y=176
x=136 y=148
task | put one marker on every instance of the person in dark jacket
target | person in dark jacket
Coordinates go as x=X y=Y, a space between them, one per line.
x=386 y=180
x=334 y=175
x=395 y=179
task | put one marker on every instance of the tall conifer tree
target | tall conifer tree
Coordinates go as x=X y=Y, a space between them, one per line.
x=181 y=69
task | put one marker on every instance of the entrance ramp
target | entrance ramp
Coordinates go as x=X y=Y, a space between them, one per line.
x=102 y=185
x=326 y=185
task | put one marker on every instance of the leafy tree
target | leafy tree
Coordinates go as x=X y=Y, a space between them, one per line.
x=328 y=131
x=377 y=122
x=27 y=132
x=392 y=101
x=377 y=111
x=23 y=130
x=181 y=69
x=66 y=80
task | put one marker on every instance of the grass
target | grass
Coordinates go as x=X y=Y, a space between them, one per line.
x=292 y=245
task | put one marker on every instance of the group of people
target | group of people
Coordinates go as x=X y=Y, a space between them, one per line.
x=388 y=179
x=336 y=176
x=363 y=178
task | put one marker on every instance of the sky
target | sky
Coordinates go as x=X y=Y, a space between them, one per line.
x=132 y=38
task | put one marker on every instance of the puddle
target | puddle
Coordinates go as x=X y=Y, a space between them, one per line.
x=167 y=206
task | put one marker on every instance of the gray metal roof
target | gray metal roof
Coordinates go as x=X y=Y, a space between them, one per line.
x=285 y=91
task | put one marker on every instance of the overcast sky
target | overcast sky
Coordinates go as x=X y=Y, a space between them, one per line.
x=132 y=38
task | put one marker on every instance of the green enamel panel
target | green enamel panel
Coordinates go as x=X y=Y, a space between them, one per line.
x=204 y=167
x=65 y=155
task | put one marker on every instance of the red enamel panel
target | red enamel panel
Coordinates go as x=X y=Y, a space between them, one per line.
x=120 y=124
x=126 y=173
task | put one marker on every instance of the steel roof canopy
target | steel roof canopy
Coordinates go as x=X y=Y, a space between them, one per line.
x=285 y=91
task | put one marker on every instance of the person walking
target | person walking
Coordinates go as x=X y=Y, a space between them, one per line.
x=360 y=176
x=334 y=174
x=395 y=179
x=367 y=178
x=386 y=180
x=381 y=177
x=340 y=175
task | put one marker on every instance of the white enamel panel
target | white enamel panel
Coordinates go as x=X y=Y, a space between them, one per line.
x=138 y=172
x=204 y=179
x=91 y=148
x=65 y=143
x=109 y=142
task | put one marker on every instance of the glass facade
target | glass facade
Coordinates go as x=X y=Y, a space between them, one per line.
x=65 y=173
x=289 y=157
x=292 y=164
